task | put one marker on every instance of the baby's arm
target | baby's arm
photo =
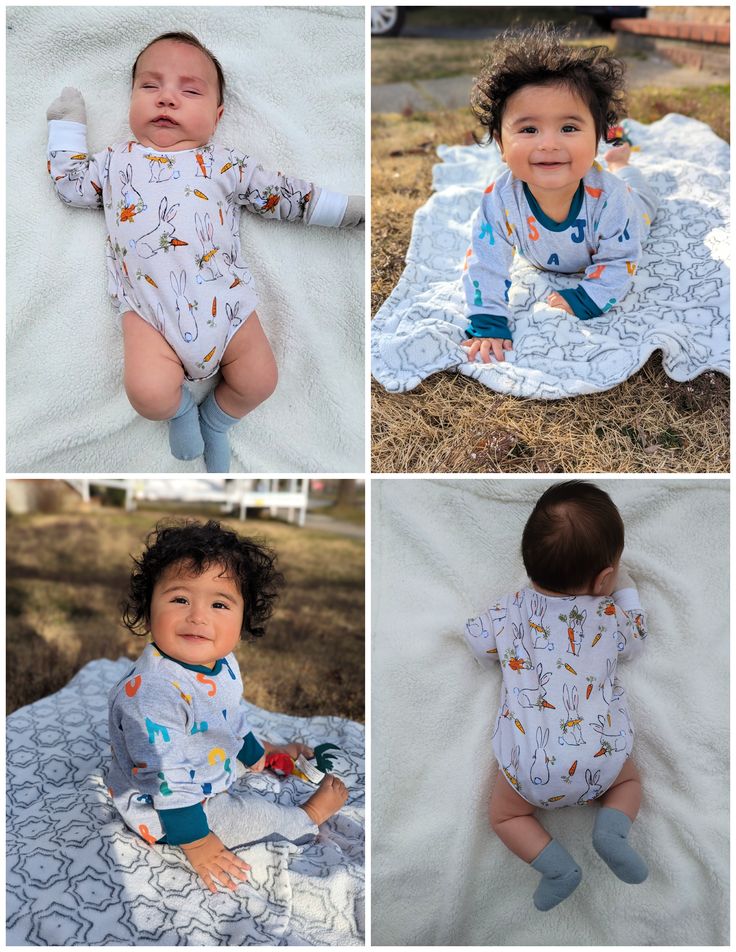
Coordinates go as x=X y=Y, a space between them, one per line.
x=275 y=195
x=486 y=280
x=611 y=272
x=630 y=616
x=77 y=176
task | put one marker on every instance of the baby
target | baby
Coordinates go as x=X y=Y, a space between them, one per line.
x=172 y=200
x=547 y=106
x=178 y=724
x=563 y=736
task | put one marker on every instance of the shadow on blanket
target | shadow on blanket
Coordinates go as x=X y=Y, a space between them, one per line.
x=77 y=876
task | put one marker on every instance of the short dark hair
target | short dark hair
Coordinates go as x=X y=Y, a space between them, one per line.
x=538 y=57
x=191 y=39
x=574 y=532
x=198 y=546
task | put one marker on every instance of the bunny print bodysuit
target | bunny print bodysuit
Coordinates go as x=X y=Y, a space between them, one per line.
x=563 y=731
x=173 y=246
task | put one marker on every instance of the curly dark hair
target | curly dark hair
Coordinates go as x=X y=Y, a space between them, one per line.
x=191 y=40
x=538 y=57
x=198 y=546
x=574 y=532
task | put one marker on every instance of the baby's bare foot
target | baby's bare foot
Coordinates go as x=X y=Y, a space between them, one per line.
x=327 y=800
x=618 y=156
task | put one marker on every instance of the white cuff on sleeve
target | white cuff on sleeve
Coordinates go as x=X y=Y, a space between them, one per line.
x=67 y=136
x=627 y=599
x=330 y=209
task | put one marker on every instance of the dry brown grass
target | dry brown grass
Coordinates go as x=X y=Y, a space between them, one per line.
x=67 y=573
x=453 y=424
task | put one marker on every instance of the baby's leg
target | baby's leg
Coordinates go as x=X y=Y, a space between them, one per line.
x=249 y=377
x=153 y=383
x=619 y=807
x=513 y=821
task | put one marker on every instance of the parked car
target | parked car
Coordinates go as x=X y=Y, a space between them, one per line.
x=387 y=21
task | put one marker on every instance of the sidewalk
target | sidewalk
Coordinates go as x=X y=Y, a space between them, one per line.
x=431 y=95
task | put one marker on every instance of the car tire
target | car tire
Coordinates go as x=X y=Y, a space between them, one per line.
x=387 y=21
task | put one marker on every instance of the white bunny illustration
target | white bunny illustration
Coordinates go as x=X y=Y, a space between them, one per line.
x=209 y=269
x=610 y=689
x=594 y=788
x=539 y=772
x=534 y=697
x=239 y=273
x=575 y=629
x=187 y=324
x=512 y=770
x=162 y=168
x=159 y=237
x=572 y=733
x=538 y=606
x=614 y=741
x=132 y=198
x=519 y=649
x=476 y=627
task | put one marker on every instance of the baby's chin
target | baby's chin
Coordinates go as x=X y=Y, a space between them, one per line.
x=168 y=138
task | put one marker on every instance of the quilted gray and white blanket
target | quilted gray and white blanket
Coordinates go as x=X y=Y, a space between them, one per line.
x=77 y=876
x=679 y=302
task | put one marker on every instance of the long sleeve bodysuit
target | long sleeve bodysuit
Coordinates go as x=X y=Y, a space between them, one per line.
x=601 y=236
x=176 y=732
x=173 y=246
x=563 y=730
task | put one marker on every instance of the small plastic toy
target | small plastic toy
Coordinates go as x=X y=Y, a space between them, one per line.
x=301 y=767
x=618 y=135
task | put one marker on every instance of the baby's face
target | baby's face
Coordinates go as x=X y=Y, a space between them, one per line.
x=196 y=618
x=548 y=138
x=173 y=105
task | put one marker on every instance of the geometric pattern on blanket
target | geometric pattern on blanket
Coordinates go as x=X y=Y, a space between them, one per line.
x=678 y=303
x=76 y=875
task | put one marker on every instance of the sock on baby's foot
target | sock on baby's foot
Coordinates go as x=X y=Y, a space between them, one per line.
x=560 y=876
x=609 y=839
x=185 y=438
x=214 y=424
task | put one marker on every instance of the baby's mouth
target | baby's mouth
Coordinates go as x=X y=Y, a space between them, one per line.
x=164 y=121
x=550 y=165
x=195 y=638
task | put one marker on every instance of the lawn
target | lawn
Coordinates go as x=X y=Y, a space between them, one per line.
x=453 y=424
x=66 y=575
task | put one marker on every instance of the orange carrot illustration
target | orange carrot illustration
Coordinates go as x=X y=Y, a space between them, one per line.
x=150 y=280
x=555 y=799
x=125 y=269
x=595 y=641
x=200 y=163
x=572 y=670
x=516 y=664
x=492 y=651
x=601 y=752
x=518 y=724
x=80 y=156
x=226 y=167
x=610 y=609
x=588 y=691
x=221 y=218
x=200 y=194
x=214 y=306
x=210 y=355
x=271 y=203
x=178 y=244
x=96 y=187
x=235 y=283
x=127 y=214
x=571 y=637
x=550 y=706
x=572 y=769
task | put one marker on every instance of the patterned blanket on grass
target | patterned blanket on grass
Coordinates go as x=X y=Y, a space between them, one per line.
x=679 y=302
x=77 y=876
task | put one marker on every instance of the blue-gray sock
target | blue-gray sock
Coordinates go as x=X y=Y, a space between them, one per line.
x=214 y=424
x=560 y=876
x=185 y=438
x=609 y=839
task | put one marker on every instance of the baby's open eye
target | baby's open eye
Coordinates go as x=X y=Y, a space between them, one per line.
x=179 y=600
x=528 y=129
x=570 y=129
x=219 y=605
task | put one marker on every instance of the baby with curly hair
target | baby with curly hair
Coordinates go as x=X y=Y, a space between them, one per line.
x=547 y=106
x=172 y=199
x=178 y=724
x=563 y=734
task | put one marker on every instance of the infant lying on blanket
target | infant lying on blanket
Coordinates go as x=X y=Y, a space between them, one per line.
x=178 y=724
x=563 y=735
x=172 y=200
x=547 y=106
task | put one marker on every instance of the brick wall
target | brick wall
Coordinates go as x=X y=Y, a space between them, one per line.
x=691 y=14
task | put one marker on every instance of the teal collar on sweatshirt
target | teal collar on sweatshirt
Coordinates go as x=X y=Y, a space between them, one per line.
x=192 y=667
x=545 y=220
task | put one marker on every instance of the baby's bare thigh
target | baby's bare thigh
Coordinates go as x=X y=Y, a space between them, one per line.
x=506 y=803
x=147 y=351
x=248 y=352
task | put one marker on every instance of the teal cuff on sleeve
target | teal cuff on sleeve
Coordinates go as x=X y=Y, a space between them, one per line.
x=583 y=306
x=251 y=751
x=488 y=325
x=184 y=824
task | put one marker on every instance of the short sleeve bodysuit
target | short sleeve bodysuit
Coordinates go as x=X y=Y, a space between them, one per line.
x=173 y=218
x=563 y=731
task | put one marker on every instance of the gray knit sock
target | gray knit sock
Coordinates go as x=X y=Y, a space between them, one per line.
x=560 y=876
x=214 y=424
x=609 y=839
x=185 y=438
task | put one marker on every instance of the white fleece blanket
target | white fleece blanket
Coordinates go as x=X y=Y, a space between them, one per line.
x=76 y=875
x=295 y=99
x=440 y=876
x=679 y=301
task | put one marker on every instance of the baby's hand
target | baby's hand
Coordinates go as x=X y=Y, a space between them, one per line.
x=484 y=346
x=69 y=105
x=211 y=860
x=557 y=300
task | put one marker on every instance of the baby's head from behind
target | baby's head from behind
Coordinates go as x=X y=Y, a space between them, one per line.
x=177 y=93
x=198 y=587
x=535 y=92
x=573 y=540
